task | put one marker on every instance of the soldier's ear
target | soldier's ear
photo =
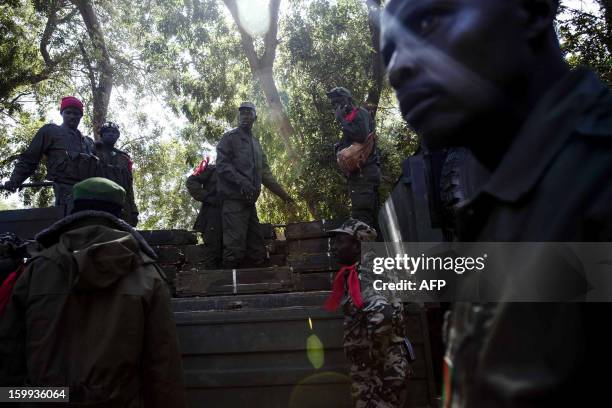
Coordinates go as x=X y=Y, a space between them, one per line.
x=538 y=16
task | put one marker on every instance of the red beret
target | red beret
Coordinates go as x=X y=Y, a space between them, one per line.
x=71 y=102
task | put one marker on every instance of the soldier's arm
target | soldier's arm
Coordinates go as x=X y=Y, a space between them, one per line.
x=30 y=158
x=195 y=186
x=270 y=182
x=356 y=126
x=13 y=369
x=225 y=164
x=163 y=384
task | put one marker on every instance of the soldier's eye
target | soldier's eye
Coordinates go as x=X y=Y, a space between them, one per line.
x=428 y=23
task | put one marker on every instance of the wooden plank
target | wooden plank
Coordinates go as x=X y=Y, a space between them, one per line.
x=267 y=230
x=169 y=254
x=276 y=247
x=309 y=246
x=313 y=229
x=169 y=237
x=197 y=281
x=278 y=260
x=315 y=281
x=194 y=253
x=313 y=262
x=26 y=223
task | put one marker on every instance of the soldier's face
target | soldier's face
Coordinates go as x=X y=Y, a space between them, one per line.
x=346 y=249
x=452 y=62
x=72 y=117
x=339 y=101
x=110 y=137
x=246 y=118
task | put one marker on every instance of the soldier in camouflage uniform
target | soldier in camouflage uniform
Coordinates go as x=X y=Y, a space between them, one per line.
x=357 y=124
x=117 y=166
x=373 y=324
x=69 y=156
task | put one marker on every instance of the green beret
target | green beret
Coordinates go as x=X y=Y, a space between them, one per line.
x=99 y=189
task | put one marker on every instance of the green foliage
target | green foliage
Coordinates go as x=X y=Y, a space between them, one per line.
x=188 y=53
x=585 y=39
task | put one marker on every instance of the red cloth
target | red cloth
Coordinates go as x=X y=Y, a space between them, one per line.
x=351 y=115
x=7 y=288
x=354 y=289
x=201 y=167
x=71 y=102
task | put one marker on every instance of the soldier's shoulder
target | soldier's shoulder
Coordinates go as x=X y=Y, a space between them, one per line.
x=231 y=133
x=50 y=128
x=122 y=152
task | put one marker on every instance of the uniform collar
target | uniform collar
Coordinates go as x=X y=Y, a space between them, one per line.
x=547 y=129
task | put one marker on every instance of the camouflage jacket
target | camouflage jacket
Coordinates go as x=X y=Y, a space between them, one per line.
x=379 y=323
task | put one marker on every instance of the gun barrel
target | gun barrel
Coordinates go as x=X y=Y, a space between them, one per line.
x=32 y=185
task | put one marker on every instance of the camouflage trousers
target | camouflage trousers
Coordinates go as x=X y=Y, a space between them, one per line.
x=378 y=379
x=363 y=190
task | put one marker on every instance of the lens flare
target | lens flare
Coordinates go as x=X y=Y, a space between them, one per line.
x=254 y=16
x=314 y=351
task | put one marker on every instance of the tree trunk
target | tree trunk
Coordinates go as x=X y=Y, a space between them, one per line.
x=375 y=58
x=606 y=6
x=262 y=70
x=100 y=75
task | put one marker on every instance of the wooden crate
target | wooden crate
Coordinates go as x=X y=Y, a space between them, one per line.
x=309 y=246
x=169 y=237
x=195 y=280
x=313 y=229
x=320 y=262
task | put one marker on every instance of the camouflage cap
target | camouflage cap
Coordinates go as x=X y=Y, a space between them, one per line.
x=358 y=229
x=99 y=189
x=339 y=91
x=247 y=105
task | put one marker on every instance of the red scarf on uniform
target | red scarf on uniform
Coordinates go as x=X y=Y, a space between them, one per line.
x=354 y=290
x=201 y=167
x=7 y=288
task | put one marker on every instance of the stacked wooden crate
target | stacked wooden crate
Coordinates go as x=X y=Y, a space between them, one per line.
x=309 y=253
x=195 y=279
x=171 y=247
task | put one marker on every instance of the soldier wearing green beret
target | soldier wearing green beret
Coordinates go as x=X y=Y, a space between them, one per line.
x=92 y=311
